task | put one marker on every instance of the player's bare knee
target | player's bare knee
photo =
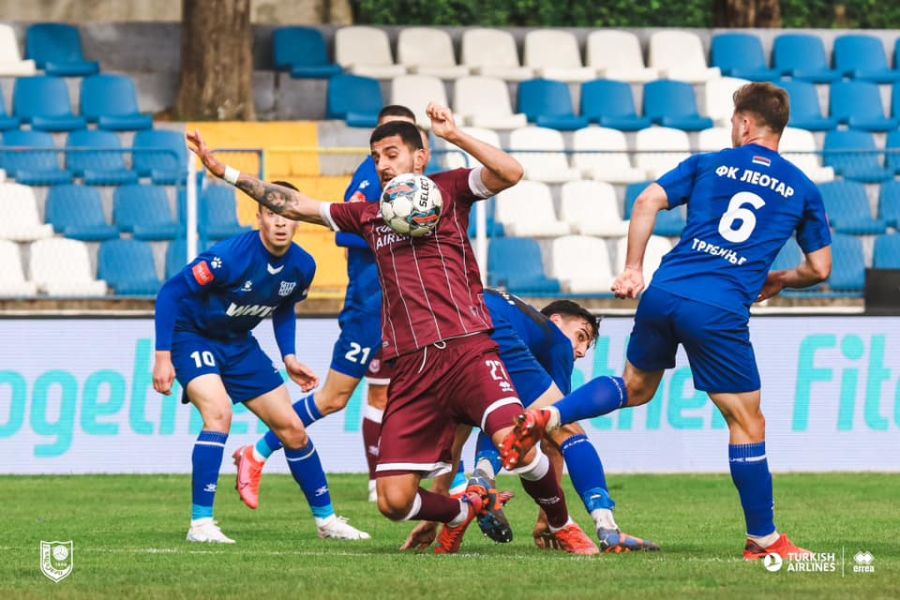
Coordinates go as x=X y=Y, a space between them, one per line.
x=378 y=396
x=293 y=436
x=328 y=403
x=393 y=503
x=217 y=419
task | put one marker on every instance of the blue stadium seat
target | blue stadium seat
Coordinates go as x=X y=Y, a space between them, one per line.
x=887 y=252
x=302 y=51
x=853 y=154
x=98 y=168
x=669 y=223
x=7 y=122
x=548 y=103
x=217 y=213
x=741 y=55
x=176 y=257
x=144 y=211
x=33 y=167
x=76 y=211
x=848 y=273
x=516 y=264
x=632 y=191
x=44 y=102
x=889 y=203
x=789 y=257
x=493 y=227
x=128 y=267
x=357 y=100
x=802 y=56
x=892 y=151
x=848 y=209
x=611 y=104
x=858 y=105
x=673 y=104
x=162 y=167
x=806 y=112
x=862 y=57
x=56 y=48
x=111 y=102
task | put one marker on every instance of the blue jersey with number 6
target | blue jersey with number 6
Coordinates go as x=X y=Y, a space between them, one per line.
x=743 y=205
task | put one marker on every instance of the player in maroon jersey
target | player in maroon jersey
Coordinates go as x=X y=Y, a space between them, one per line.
x=435 y=328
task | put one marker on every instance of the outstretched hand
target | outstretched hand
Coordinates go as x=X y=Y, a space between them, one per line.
x=629 y=284
x=421 y=538
x=198 y=147
x=301 y=374
x=442 y=122
x=774 y=285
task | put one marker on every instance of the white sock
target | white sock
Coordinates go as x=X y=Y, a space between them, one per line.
x=257 y=456
x=555 y=529
x=765 y=540
x=373 y=414
x=461 y=517
x=485 y=466
x=201 y=521
x=553 y=422
x=324 y=522
x=603 y=518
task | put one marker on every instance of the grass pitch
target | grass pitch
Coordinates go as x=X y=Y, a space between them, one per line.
x=129 y=543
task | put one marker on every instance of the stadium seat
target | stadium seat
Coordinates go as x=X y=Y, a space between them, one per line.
x=526 y=210
x=356 y=100
x=789 y=257
x=799 y=147
x=887 y=252
x=669 y=223
x=848 y=273
x=128 y=267
x=366 y=51
x=44 y=102
x=554 y=54
x=62 y=267
x=56 y=48
x=602 y=154
x=581 y=264
x=484 y=102
x=551 y=164
x=98 y=167
x=657 y=247
x=492 y=227
x=806 y=112
x=802 y=56
x=853 y=155
x=632 y=191
x=33 y=167
x=11 y=63
x=76 y=211
x=20 y=222
x=611 y=104
x=862 y=57
x=719 y=97
x=892 y=151
x=176 y=257
x=160 y=154
x=302 y=52
x=144 y=211
x=895 y=101
x=741 y=55
x=714 y=139
x=217 y=214
x=617 y=55
x=428 y=51
x=455 y=159
x=848 y=209
x=111 y=102
x=492 y=53
x=660 y=149
x=12 y=277
x=7 y=122
x=888 y=203
x=858 y=105
x=415 y=92
x=592 y=208
x=679 y=55
x=673 y=104
x=517 y=265
x=548 y=104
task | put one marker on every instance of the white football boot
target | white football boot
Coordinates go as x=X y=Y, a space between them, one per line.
x=207 y=531
x=337 y=528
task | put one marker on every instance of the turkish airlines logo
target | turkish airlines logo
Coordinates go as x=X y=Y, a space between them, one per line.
x=202 y=273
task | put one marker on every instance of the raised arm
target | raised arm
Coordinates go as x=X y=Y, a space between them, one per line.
x=653 y=199
x=816 y=268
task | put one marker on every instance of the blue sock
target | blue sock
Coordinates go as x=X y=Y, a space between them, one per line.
x=206 y=460
x=268 y=444
x=586 y=472
x=485 y=450
x=308 y=412
x=459 y=480
x=751 y=477
x=308 y=473
x=597 y=397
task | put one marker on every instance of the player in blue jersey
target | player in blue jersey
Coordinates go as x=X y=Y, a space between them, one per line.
x=743 y=204
x=204 y=317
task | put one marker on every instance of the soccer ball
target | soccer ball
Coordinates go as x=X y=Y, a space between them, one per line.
x=411 y=204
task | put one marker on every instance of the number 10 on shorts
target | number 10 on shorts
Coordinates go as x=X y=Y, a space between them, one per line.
x=203 y=358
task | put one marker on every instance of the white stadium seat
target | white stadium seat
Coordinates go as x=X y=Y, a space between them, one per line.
x=20 y=220
x=581 y=264
x=428 y=51
x=492 y=52
x=679 y=55
x=592 y=208
x=62 y=267
x=660 y=149
x=657 y=247
x=455 y=160
x=415 y=92
x=12 y=278
x=719 y=98
x=554 y=55
x=526 y=210
x=617 y=55
x=551 y=166
x=11 y=63
x=799 y=147
x=366 y=51
x=613 y=164
x=484 y=102
x=714 y=139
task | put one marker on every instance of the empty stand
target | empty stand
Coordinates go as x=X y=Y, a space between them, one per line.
x=657 y=247
x=76 y=211
x=848 y=209
x=218 y=213
x=12 y=277
x=592 y=208
x=526 y=210
x=484 y=102
x=848 y=273
x=44 y=103
x=857 y=104
x=617 y=55
x=611 y=104
x=415 y=92
x=111 y=102
x=56 y=48
x=862 y=57
x=33 y=167
x=517 y=265
x=62 y=267
x=11 y=63
x=549 y=104
x=660 y=149
x=889 y=203
x=428 y=51
x=128 y=267
x=802 y=56
x=799 y=147
x=714 y=139
x=546 y=160
x=741 y=55
x=887 y=252
x=719 y=97
x=302 y=52
x=94 y=165
x=673 y=104
x=679 y=55
x=853 y=155
x=554 y=54
x=492 y=53
x=162 y=155
x=20 y=221
x=806 y=112
x=144 y=211
x=581 y=264
x=356 y=100
x=602 y=154
x=366 y=51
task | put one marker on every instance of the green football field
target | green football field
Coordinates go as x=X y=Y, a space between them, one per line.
x=129 y=532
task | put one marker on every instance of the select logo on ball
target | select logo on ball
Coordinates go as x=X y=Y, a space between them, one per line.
x=411 y=205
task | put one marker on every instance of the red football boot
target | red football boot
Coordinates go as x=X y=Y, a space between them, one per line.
x=249 y=474
x=573 y=540
x=528 y=430
x=783 y=547
x=450 y=538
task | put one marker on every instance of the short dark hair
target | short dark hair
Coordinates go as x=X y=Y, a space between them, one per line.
x=408 y=132
x=769 y=103
x=396 y=110
x=568 y=308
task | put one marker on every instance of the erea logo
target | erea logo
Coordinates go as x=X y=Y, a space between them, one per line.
x=202 y=273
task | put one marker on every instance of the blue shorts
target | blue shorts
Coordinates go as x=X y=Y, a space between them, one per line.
x=359 y=342
x=245 y=369
x=530 y=379
x=717 y=342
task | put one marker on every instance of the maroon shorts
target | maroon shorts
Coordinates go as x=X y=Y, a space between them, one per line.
x=380 y=371
x=435 y=389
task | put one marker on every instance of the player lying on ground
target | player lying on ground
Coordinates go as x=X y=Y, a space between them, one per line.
x=436 y=329
x=702 y=292
x=204 y=316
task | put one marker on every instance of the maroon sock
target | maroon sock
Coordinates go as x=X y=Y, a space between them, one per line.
x=436 y=507
x=371 y=433
x=548 y=494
